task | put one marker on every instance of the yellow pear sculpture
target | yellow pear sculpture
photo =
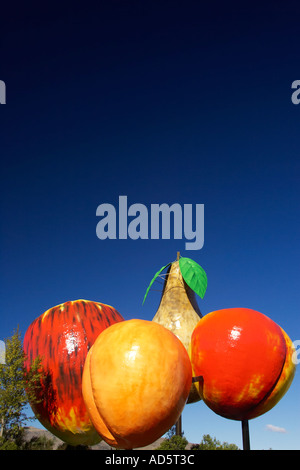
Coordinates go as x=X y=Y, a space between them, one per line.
x=179 y=312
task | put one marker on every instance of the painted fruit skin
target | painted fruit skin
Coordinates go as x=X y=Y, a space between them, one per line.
x=62 y=337
x=179 y=312
x=136 y=381
x=245 y=360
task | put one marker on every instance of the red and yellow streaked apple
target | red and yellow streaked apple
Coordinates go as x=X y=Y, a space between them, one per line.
x=62 y=337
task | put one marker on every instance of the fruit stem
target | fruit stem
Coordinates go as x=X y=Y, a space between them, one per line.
x=178 y=255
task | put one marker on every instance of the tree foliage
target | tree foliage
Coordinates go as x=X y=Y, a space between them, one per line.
x=211 y=443
x=174 y=443
x=38 y=443
x=17 y=386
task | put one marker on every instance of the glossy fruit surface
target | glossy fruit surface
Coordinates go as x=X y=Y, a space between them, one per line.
x=178 y=311
x=136 y=382
x=62 y=337
x=245 y=360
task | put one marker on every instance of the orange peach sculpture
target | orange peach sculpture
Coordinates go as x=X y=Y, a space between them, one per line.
x=244 y=360
x=135 y=383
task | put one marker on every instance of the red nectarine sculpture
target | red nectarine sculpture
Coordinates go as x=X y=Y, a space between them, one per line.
x=243 y=360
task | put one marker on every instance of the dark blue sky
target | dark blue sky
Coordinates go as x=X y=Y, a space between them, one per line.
x=163 y=102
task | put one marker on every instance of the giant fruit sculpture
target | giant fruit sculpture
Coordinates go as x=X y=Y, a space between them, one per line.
x=178 y=310
x=244 y=362
x=136 y=380
x=62 y=337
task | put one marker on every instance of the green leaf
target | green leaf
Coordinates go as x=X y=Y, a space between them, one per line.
x=194 y=275
x=156 y=275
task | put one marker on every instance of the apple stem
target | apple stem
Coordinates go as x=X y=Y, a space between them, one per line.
x=245 y=434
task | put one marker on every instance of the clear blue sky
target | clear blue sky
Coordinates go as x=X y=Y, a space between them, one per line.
x=165 y=102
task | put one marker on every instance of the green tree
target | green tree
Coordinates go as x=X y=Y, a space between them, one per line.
x=16 y=388
x=66 y=446
x=211 y=443
x=173 y=443
x=38 y=443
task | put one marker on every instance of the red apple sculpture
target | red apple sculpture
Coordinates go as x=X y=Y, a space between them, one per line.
x=62 y=337
x=244 y=360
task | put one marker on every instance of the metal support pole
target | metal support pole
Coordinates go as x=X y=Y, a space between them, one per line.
x=179 y=427
x=245 y=433
x=179 y=422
